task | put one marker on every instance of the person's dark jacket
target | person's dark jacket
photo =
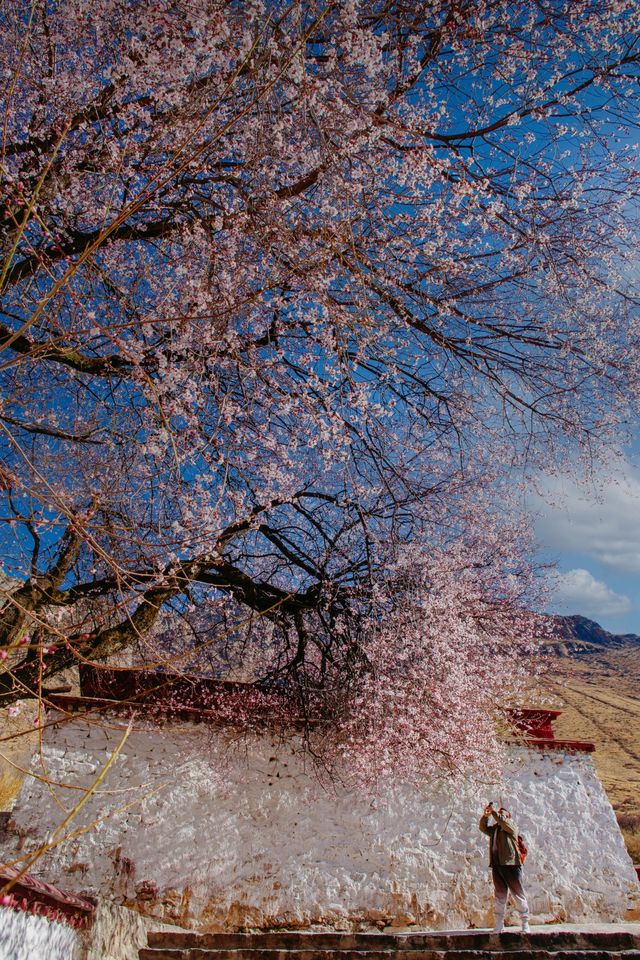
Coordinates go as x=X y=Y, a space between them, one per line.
x=503 y=851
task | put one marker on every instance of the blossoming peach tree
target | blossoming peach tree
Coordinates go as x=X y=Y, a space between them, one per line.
x=287 y=289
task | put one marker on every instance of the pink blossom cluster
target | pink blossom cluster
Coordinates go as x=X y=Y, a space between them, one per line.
x=290 y=296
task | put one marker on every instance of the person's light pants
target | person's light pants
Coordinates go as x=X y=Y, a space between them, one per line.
x=508 y=880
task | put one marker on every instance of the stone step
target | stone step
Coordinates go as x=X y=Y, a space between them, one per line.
x=246 y=946
x=525 y=953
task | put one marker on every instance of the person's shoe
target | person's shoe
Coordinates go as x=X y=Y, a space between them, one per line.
x=525 y=926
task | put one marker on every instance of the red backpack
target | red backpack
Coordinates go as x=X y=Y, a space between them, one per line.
x=521 y=847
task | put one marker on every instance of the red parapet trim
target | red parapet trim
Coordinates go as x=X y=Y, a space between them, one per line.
x=30 y=895
x=153 y=710
x=533 y=727
x=581 y=746
x=66 y=701
x=534 y=722
x=144 y=708
x=152 y=686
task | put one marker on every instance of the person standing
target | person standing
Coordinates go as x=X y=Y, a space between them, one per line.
x=506 y=869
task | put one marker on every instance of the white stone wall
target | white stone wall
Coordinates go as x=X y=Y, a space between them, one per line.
x=25 y=937
x=221 y=836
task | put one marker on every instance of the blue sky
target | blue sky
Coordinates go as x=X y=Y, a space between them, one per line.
x=592 y=531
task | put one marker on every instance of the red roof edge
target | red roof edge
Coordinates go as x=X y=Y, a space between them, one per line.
x=580 y=746
x=533 y=727
x=30 y=895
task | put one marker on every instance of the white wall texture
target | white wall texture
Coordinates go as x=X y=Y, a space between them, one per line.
x=196 y=830
x=25 y=937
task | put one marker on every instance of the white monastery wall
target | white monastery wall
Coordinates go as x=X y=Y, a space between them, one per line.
x=181 y=832
x=25 y=937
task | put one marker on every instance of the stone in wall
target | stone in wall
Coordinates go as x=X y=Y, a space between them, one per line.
x=116 y=933
x=190 y=828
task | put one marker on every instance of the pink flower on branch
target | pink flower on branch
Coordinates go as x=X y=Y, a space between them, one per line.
x=284 y=296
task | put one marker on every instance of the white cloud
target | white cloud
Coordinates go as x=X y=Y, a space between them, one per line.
x=601 y=520
x=578 y=591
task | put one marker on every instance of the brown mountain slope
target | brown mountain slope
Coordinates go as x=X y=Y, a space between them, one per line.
x=577 y=635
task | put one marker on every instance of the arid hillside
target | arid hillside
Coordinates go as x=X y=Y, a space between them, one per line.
x=596 y=681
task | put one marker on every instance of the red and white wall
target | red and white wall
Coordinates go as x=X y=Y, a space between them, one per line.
x=190 y=826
